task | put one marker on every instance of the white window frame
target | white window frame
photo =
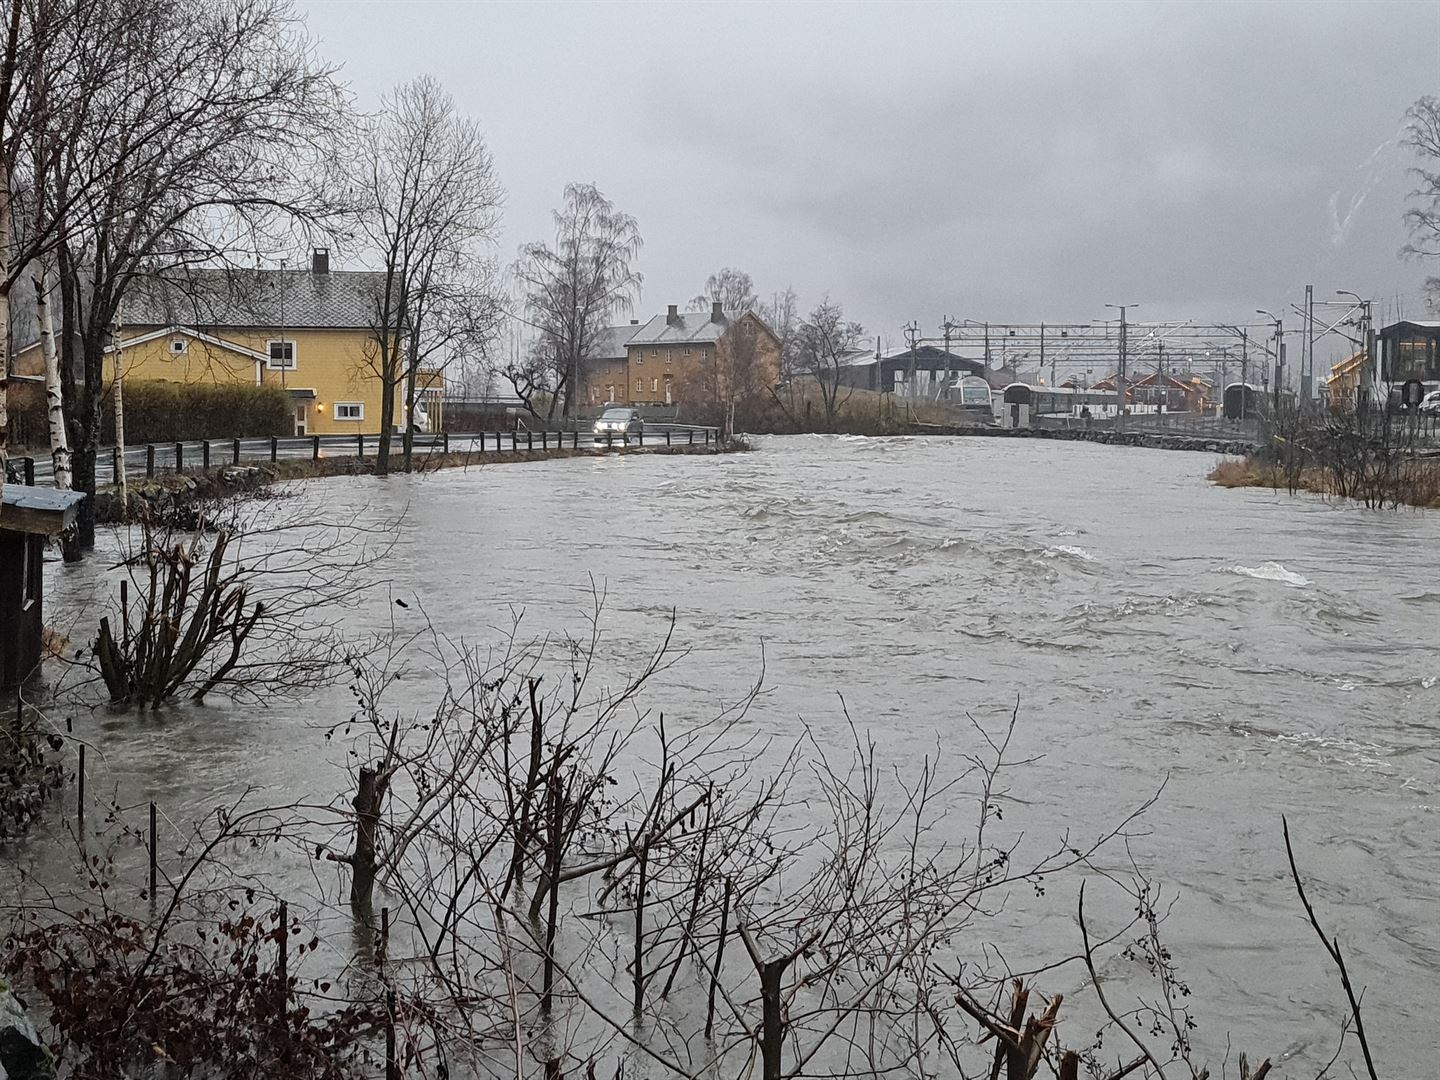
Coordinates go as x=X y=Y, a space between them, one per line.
x=172 y=352
x=358 y=406
x=280 y=365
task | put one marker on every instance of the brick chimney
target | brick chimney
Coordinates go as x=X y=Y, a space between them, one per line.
x=320 y=261
x=672 y=316
x=717 y=313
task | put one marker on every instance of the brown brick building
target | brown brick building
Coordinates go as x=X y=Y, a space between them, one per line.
x=677 y=357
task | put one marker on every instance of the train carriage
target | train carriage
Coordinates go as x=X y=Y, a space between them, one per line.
x=1022 y=404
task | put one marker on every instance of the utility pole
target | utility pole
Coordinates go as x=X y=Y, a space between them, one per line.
x=1163 y=398
x=1244 y=370
x=1368 y=369
x=1120 y=374
x=1279 y=351
x=945 y=386
x=912 y=335
x=1053 y=378
x=1307 y=347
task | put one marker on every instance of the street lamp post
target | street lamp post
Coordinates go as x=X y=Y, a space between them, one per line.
x=1120 y=373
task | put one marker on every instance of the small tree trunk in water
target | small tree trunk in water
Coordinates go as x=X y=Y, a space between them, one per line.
x=551 y=883
x=54 y=399
x=4 y=324
x=82 y=464
x=368 y=802
x=389 y=381
x=640 y=889
x=772 y=1028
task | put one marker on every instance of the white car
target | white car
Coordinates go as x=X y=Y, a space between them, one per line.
x=1430 y=406
x=619 y=421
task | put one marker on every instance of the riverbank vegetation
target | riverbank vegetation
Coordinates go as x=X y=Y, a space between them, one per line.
x=533 y=863
x=1375 y=458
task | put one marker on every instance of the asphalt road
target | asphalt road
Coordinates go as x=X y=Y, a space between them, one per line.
x=222 y=451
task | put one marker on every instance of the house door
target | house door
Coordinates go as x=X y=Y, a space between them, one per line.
x=300 y=417
x=668 y=399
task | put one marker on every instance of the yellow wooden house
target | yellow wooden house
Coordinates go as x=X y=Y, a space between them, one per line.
x=309 y=332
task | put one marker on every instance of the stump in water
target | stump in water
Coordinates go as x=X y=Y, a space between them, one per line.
x=369 y=801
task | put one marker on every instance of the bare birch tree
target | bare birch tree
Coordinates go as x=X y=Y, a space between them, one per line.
x=572 y=290
x=825 y=339
x=1422 y=134
x=429 y=201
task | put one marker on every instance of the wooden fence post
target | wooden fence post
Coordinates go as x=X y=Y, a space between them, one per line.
x=179 y=457
x=150 y=459
x=274 y=449
x=392 y=1062
x=153 y=851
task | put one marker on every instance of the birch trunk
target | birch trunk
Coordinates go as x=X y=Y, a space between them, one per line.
x=54 y=399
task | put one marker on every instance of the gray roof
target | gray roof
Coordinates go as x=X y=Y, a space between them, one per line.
x=1422 y=324
x=55 y=500
x=688 y=327
x=610 y=343
x=857 y=358
x=282 y=299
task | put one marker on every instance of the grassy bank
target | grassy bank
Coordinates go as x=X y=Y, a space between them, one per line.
x=1418 y=485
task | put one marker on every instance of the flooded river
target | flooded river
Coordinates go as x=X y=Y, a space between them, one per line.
x=1259 y=655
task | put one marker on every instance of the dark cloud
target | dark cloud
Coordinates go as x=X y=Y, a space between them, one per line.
x=988 y=161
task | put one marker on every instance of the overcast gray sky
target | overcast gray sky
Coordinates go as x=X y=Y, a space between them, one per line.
x=1010 y=162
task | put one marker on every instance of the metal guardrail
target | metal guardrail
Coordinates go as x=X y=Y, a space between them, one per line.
x=151 y=459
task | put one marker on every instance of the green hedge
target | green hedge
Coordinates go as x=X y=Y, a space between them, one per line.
x=169 y=412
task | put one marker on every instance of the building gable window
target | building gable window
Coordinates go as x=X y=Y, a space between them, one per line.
x=282 y=356
x=349 y=410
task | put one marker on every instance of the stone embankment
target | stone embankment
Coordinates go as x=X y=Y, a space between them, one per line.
x=1209 y=444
